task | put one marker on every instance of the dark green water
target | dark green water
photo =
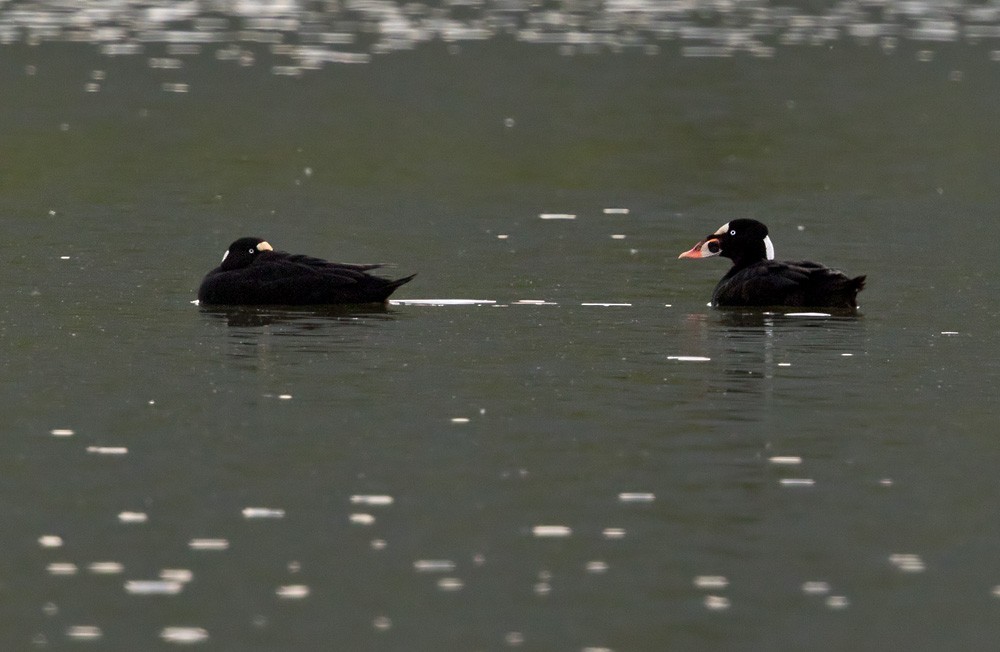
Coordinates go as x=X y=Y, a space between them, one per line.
x=483 y=422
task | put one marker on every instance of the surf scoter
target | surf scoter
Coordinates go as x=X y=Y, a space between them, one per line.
x=756 y=279
x=253 y=273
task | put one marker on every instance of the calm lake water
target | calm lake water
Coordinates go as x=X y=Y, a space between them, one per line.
x=587 y=457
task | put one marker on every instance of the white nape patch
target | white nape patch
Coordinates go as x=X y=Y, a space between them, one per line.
x=722 y=229
x=224 y=256
x=769 y=247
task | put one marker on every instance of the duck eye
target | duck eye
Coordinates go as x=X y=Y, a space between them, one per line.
x=733 y=232
x=250 y=250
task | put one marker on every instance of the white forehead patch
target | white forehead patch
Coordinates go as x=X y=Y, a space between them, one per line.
x=224 y=256
x=722 y=229
x=769 y=247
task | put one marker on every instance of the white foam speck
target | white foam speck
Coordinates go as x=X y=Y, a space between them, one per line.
x=61 y=568
x=613 y=533
x=440 y=302
x=361 y=519
x=107 y=450
x=535 y=302
x=62 y=432
x=710 y=582
x=847 y=355
x=184 y=634
x=636 y=497
x=285 y=397
x=263 y=512
x=785 y=459
x=949 y=332
x=502 y=236
x=797 y=482
x=460 y=420
x=837 y=602
x=153 y=587
x=106 y=568
x=617 y=236
x=371 y=499
x=815 y=588
x=551 y=531
x=557 y=216
x=182 y=575
x=688 y=358
x=716 y=602
x=84 y=632
x=50 y=541
x=133 y=517
x=607 y=304
x=450 y=584
x=784 y=364
x=596 y=567
x=907 y=562
x=292 y=592
x=382 y=623
x=433 y=565
x=807 y=314
x=616 y=211
x=208 y=544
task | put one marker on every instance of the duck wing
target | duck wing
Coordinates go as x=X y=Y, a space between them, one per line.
x=787 y=283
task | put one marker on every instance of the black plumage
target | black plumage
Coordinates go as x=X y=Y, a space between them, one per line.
x=252 y=273
x=756 y=279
